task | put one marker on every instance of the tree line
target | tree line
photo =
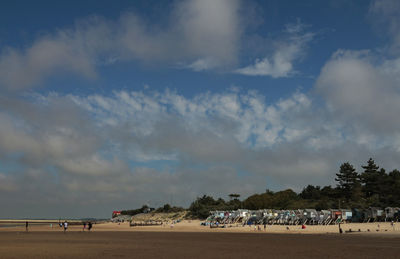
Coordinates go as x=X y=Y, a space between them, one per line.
x=373 y=187
x=166 y=208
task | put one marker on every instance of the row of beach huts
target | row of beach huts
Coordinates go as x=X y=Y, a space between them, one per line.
x=303 y=216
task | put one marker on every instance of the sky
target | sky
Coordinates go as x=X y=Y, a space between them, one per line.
x=110 y=105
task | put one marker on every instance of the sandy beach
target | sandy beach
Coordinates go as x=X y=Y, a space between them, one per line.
x=381 y=228
x=188 y=239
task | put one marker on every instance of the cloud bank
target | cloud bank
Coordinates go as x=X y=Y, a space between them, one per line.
x=94 y=153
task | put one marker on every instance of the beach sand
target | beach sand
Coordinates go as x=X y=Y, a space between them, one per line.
x=381 y=228
x=188 y=239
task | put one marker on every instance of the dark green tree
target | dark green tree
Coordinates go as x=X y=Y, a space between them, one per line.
x=270 y=200
x=285 y=199
x=348 y=180
x=370 y=178
x=133 y=212
x=392 y=191
x=202 y=206
x=234 y=196
x=311 y=192
x=166 y=208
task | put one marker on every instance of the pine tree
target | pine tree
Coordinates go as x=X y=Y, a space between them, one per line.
x=347 y=179
x=393 y=188
x=370 y=178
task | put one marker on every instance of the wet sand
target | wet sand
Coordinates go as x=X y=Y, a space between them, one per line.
x=138 y=244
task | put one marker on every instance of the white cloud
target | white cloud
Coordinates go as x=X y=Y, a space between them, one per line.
x=287 y=51
x=361 y=93
x=47 y=56
x=361 y=87
x=202 y=64
x=204 y=34
x=211 y=28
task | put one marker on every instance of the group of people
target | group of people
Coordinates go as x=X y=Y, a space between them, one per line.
x=89 y=226
x=65 y=225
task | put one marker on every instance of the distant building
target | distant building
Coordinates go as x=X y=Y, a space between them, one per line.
x=116 y=213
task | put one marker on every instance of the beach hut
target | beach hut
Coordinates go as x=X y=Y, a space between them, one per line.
x=276 y=215
x=378 y=214
x=301 y=219
x=245 y=215
x=268 y=216
x=291 y=217
x=368 y=215
x=216 y=216
x=358 y=215
x=255 y=217
x=373 y=214
x=391 y=213
x=311 y=215
x=324 y=217
x=336 y=216
x=347 y=215
x=234 y=216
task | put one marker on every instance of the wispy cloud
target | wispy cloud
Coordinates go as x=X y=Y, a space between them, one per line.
x=384 y=14
x=288 y=51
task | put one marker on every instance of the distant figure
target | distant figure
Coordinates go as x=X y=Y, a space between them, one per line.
x=65 y=226
x=303 y=226
x=265 y=227
x=89 y=226
x=26 y=226
x=84 y=226
x=340 y=229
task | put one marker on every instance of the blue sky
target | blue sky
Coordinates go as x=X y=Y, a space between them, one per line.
x=108 y=105
x=335 y=25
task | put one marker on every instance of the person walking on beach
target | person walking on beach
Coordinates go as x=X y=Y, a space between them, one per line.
x=26 y=226
x=84 y=226
x=65 y=226
x=89 y=226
